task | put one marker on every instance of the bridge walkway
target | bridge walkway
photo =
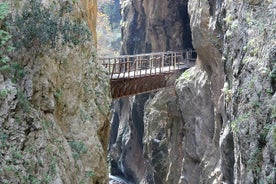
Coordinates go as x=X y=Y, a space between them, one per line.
x=141 y=73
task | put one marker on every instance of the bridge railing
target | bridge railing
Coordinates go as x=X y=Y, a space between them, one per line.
x=142 y=65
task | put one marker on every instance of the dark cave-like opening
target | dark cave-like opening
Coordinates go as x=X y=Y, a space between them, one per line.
x=187 y=34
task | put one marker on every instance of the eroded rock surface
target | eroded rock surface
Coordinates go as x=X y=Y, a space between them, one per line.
x=147 y=26
x=152 y=26
x=218 y=124
x=126 y=148
x=249 y=49
x=54 y=119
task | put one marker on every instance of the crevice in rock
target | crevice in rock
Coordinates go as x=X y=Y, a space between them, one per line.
x=135 y=33
x=145 y=32
x=114 y=129
x=187 y=35
x=138 y=115
x=228 y=158
x=272 y=63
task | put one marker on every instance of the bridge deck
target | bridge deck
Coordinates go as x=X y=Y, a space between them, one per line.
x=134 y=74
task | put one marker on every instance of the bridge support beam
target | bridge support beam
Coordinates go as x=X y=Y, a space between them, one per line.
x=132 y=86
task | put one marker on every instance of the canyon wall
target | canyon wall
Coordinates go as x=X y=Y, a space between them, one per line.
x=148 y=26
x=153 y=26
x=218 y=124
x=249 y=98
x=54 y=104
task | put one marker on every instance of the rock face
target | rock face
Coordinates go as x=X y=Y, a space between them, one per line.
x=249 y=59
x=218 y=124
x=126 y=148
x=148 y=26
x=163 y=126
x=54 y=117
x=151 y=26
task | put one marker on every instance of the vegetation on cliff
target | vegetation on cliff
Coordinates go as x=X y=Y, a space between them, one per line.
x=108 y=27
x=224 y=108
x=54 y=95
x=39 y=28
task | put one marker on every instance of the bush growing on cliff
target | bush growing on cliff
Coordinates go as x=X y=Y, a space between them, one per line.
x=6 y=66
x=40 y=28
x=5 y=36
x=78 y=148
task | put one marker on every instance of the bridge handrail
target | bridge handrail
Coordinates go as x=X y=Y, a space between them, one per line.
x=139 y=65
x=146 y=54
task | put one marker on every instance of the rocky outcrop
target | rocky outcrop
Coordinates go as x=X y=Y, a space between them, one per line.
x=249 y=57
x=218 y=125
x=163 y=138
x=54 y=107
x=228 y=132
x=126 y=148
x=152 y=26
x=199 y=142
x=200 y=88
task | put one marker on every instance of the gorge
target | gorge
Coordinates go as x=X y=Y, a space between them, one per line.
x=216 y=125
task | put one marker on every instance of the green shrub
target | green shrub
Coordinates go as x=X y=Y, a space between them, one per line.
x=235 y=123
x=78 y=148
x=13 y=69
x=3 y=139
x=40 y=28
x=23 y=101
x=263 y=134
x=255 y=160
x=5 y=36
x=3 y=93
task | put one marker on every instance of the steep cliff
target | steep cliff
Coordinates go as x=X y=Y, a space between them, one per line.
x=150 y=26
x=147 y=26
x=235 y=39
x=218 y=125
x=54 y=95
x=249 y=63
x=126 y=149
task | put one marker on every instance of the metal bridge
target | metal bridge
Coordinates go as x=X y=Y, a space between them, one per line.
x=141 y=73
